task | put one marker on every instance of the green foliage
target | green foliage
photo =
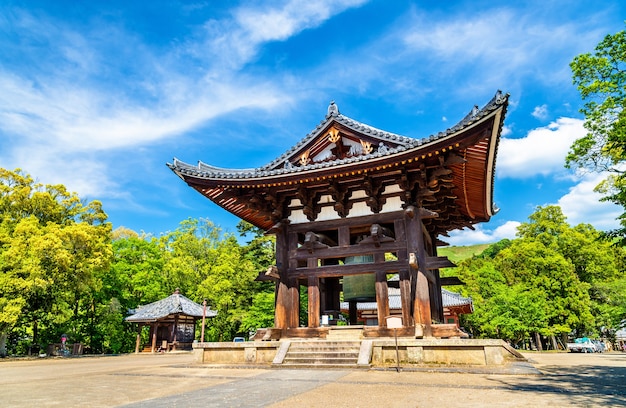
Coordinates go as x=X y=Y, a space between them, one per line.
x=53 y=249
x=554 y=279
x=63 y=271
x=260 y=313
x=601 y=80
x=206 y=265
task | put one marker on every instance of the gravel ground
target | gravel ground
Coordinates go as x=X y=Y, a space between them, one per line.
x=167 y=380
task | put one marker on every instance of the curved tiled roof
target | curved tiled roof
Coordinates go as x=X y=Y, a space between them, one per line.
x=171 y=305
x=344 y=150
x=281 y=165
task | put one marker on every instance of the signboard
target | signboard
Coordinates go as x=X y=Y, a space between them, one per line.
x=394 y=322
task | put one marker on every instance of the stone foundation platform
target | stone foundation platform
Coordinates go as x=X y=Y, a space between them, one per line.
x=380 y=352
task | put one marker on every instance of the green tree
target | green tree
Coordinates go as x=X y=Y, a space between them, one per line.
x=552 y=280
x=134 y=278
x=206 y=265
x=53 y=249
x=596 y=261
x=601 y=80
x=537 y=267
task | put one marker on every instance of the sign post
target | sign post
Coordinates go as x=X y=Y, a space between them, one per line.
x=395 y=322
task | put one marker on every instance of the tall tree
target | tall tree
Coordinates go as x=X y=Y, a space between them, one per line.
x=552 y=280
x=601 y=80
x=206 y=265
x=52 y=250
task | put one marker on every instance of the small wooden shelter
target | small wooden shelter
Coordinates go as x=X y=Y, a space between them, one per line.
x=351 y=202
x=172 y=322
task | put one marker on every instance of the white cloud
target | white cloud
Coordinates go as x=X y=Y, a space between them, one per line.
x=235 y=42
x=541 y=151
x=497 y=46
x=279 y=23
x=482 y=235
x=540 y=112
x=64 y=106
x=582 y=205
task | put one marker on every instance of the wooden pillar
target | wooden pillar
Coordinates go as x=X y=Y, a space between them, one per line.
x=406 y=301
x=417 y=261
x=174 y=333
x=314 y=301
x=405 y=298
x=422 y=295
x=352 y=312
x=422 y=305
x=283 y=300
x=438 y=301
x=294 y=301
x=138 y=341
x=155 y=329
x=382 y=298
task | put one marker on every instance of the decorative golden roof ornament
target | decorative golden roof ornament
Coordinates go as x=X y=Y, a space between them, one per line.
x=304 y=158
x=367 y=147
x=333 y=135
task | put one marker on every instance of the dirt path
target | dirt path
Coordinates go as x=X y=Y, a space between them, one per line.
x=173 y=380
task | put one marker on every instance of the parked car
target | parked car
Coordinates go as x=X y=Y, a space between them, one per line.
x=582 y=345
x=239 y=339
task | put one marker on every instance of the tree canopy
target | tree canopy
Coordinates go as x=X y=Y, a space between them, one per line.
x=552 y=280
x=53 y=249
x=63 y=271
x=601 y=80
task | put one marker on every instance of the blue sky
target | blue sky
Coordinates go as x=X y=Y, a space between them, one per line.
x=99 y=95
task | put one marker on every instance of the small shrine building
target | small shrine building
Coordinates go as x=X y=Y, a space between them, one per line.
x=172 y=322
x=351 y=205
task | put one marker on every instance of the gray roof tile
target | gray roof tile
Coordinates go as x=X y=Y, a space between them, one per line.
x=174 y=304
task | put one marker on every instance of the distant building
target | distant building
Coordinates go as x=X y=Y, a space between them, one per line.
x=454 y=305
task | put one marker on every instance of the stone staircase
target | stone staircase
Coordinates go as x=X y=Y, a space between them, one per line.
x=345 y=333
x=320 y=354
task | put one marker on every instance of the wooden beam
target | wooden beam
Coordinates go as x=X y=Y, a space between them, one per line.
x=342 y=270
x=438 y=262
x=451 y=281
x=303 y=253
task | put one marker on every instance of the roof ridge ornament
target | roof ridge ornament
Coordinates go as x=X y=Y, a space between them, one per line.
x=333 y=110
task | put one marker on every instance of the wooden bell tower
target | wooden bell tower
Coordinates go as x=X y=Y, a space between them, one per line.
x=351 y=201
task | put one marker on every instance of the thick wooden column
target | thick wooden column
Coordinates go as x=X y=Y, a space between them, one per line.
x=405 y=298
x=283 y=299
x=294 y=301
x=417 y=261
x=173 y=338
x=405 y=277
x=382 y=298
x=422 y=295
x=437 y=300
x=314 y=301
x=353 y=314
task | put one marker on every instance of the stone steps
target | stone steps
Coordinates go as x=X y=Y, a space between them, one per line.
x=345 y=333
x=317 y=354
